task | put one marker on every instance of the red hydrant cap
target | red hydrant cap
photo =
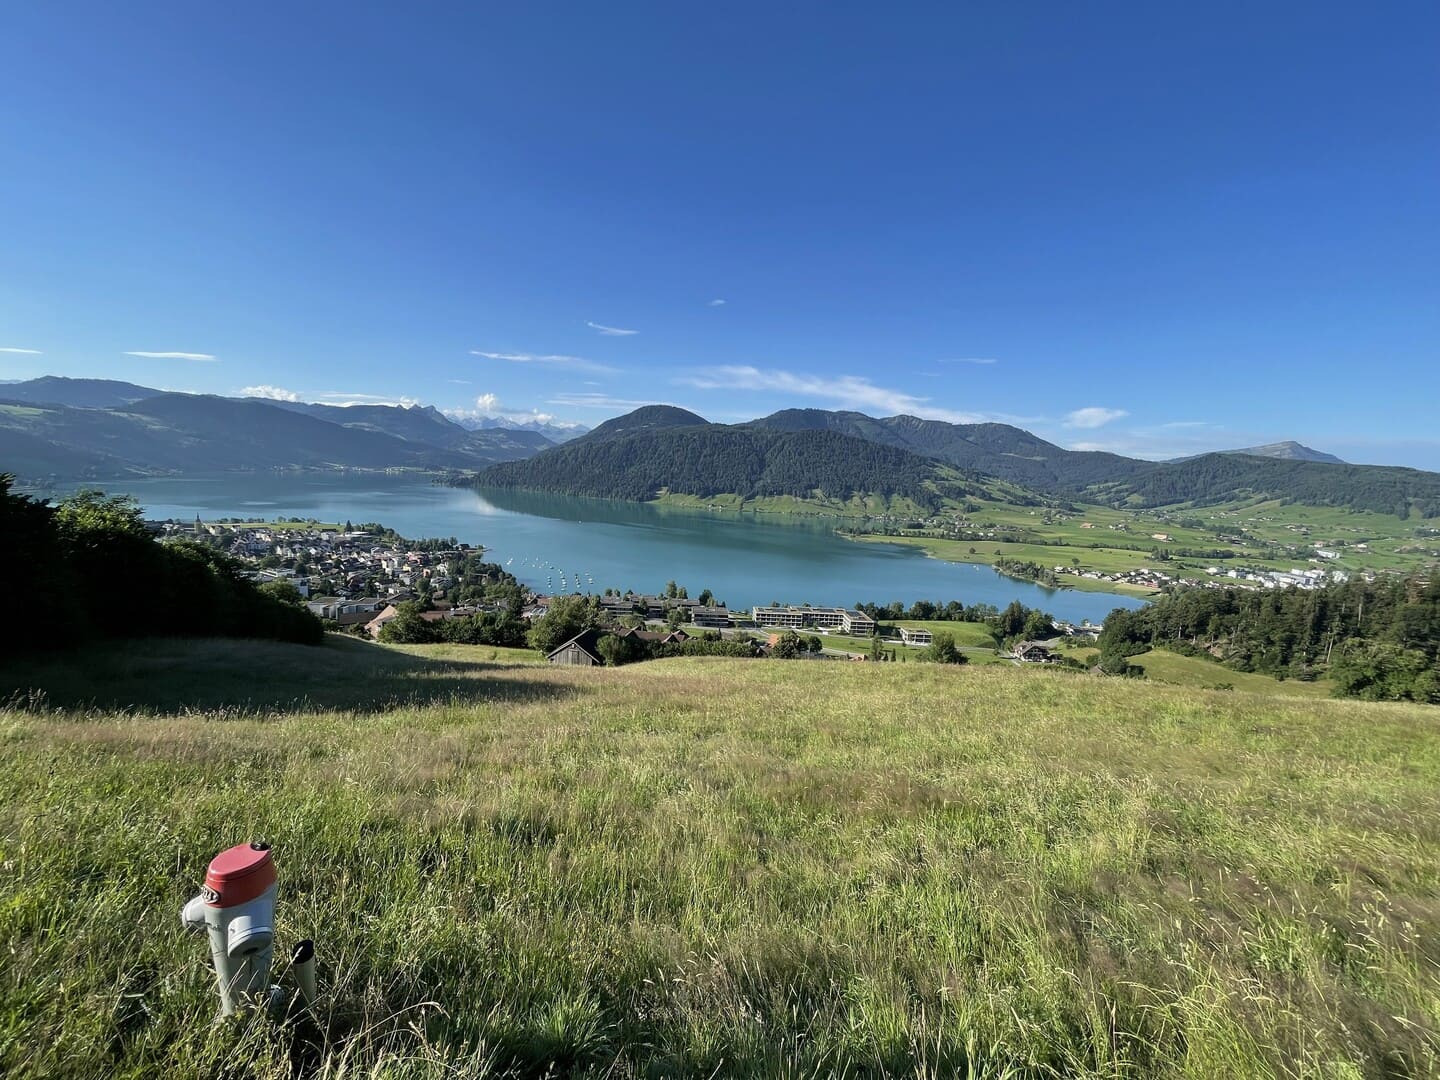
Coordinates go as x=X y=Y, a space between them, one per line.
x=239 y=874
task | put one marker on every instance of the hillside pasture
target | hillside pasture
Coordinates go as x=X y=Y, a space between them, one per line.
x=704 y=867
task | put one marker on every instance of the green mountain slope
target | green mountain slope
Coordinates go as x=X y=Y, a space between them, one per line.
x=1017 y=456
x=712 y=459
x=645 y=418
x=1219 y=478
x=998 y=450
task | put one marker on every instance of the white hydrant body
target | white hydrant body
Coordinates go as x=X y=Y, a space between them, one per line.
x=236 y=909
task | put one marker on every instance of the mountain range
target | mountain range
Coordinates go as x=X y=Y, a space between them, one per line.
x=100 y=429
x=555 y=431
x=818 y=454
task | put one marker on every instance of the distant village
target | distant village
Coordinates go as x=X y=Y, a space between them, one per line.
x=1215 y=578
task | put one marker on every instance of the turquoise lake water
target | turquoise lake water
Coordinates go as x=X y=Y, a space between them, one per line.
x=744 y=561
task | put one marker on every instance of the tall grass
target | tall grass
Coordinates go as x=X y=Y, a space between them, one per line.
x=708 y=867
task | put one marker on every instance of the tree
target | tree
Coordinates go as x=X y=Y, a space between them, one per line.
x=408 y=627
x=568 y=616
x=942 y=650
x=284 y=591
x=707 y=597
x=671 y=590
x=46 y=592
x=1380 y=671
x=1012 y=620
x=1037 y=625
x=1116 y=663
x=788 y=646
x=616 y=650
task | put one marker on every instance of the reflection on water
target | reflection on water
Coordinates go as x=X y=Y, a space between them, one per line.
x=743 y=559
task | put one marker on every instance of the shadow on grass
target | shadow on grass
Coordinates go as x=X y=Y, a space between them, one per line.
x=171 y=676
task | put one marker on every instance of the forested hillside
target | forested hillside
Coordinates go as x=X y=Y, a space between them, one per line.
x=645 y=418
x=1012 y=454
x=1217 y=478
x=1377 y=639
x=999 y=450
x=713 y=459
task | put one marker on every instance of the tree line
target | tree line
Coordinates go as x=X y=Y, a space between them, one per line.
x=88 y=567
x=1375 y=639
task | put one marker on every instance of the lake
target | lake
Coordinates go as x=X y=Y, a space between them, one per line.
x=744 y=561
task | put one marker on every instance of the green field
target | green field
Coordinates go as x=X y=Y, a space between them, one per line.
x=1108 y=540
x=986 y=552
x=1162 y=665
x=966 y=634
x=717 y=868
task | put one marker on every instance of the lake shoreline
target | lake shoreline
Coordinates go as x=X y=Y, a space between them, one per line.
x=1081 y=584
x=745 y=559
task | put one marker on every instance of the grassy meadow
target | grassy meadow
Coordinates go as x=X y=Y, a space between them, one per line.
x=706 y=867
x=1161 y=665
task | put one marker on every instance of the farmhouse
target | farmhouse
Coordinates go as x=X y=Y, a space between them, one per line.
x=1032 y=652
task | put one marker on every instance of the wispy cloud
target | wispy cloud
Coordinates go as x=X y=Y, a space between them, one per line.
x=336 y=397
x=272 y=393
x=969 y=360
x=459 y=382
x=1175 y=425
x=848 y=390
x=1093 y=417
x=601 y=401
x=23 y=352
x=716 y=303
x=200 y=356
x=579 y=363
x=610 y=331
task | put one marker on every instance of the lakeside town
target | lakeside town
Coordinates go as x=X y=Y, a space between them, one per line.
x=358 y=578
x=345 y=571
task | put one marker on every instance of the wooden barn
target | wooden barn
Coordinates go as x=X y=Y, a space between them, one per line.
x=580 y=651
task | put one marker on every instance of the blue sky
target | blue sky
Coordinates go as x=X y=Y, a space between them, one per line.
x=1152 y=228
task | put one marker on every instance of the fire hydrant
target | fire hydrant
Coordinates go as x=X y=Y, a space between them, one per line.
x=236 y=909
